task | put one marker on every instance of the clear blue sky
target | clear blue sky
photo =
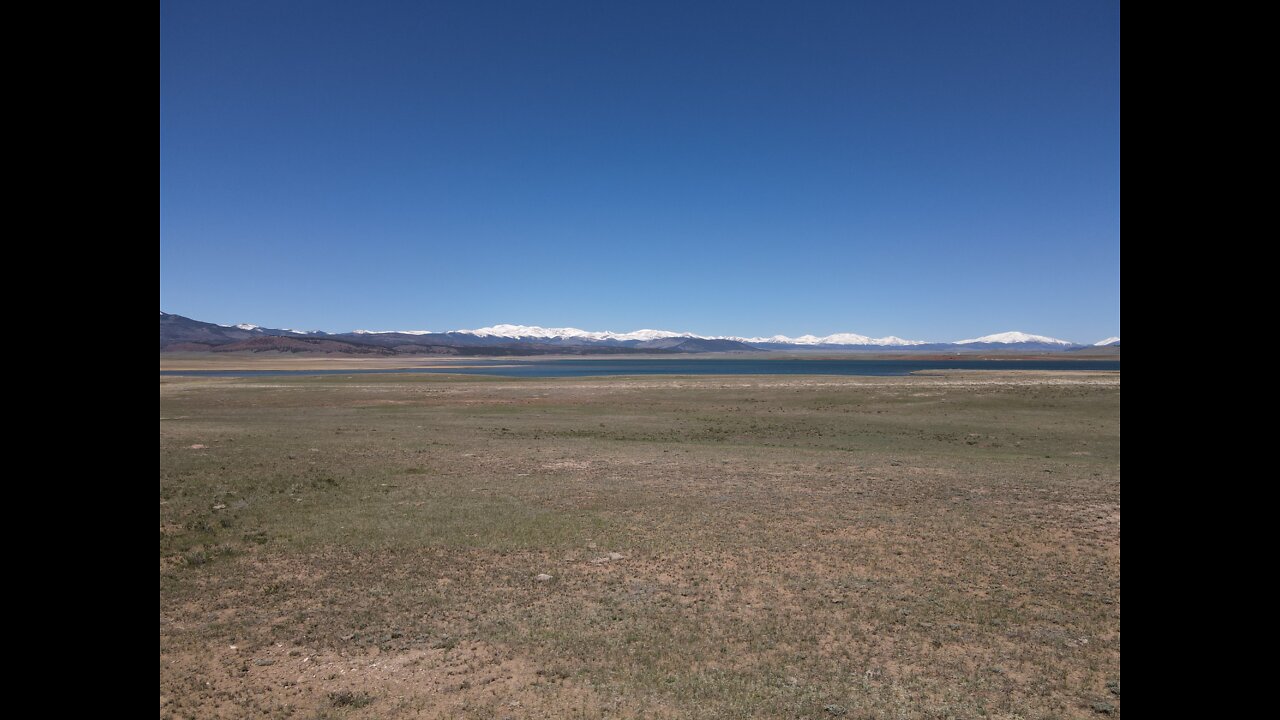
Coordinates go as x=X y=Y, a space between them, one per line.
x=934 y=170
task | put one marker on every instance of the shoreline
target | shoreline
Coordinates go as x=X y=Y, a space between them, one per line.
x=228 y=362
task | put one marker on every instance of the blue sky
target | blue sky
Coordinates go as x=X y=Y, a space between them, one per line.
x=933 y=170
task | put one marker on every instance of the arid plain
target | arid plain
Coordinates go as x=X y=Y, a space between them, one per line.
x=944 y=545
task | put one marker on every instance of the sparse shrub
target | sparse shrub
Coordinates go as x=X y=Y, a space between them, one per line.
x=347 y=698
x=445 y=643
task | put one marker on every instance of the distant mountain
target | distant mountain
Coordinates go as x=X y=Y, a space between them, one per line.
x=1109 y=342
x=176 y=329
x=533 y=332
x=694 y=344
x=838 y=339
x=1016 y=337
x=178 y=333
x=1020 y=340
x=276 y=343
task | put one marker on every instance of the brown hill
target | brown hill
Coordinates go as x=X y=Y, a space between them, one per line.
x=297 y=345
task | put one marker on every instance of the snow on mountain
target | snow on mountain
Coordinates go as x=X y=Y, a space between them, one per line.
x=836 y=339
x=648 y=334
x=650 y=337
x=1015 y=337
x=534 y=331
x=802 y=340
x=526 y=332
x=242 y=326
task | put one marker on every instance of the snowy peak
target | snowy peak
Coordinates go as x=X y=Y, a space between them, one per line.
x=836 y=339
x=243 y=326
x=523 y=332
x=535 y=331
x=519 y=331
x=1009 y=338
x=510 y=336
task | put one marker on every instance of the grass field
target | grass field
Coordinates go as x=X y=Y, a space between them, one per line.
x=796 y=547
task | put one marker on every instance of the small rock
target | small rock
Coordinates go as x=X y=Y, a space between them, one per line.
x=197 y=447
x=616 y=556
x=219 y=506
x=836 y=710
x=263 y=662
x=543 y=577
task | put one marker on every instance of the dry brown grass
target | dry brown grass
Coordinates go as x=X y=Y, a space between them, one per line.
x=944 y=546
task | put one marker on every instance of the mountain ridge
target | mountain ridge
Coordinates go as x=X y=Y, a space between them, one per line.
x=178 y=333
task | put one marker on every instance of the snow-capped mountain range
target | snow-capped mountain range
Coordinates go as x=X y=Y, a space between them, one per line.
x=541 y=333
x=1015 y=337
x=178 y=332
x=522 y=332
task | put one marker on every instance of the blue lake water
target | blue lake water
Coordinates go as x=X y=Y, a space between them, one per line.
x=728 y=366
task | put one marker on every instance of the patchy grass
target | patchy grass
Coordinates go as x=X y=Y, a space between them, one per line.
x=944 y=546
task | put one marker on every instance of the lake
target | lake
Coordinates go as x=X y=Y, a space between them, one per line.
x=727 y=366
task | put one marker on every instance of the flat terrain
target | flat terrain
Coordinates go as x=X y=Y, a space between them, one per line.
x=179 y=361
x=938 y=546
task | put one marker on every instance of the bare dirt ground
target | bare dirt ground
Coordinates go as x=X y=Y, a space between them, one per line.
x=945 y=545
